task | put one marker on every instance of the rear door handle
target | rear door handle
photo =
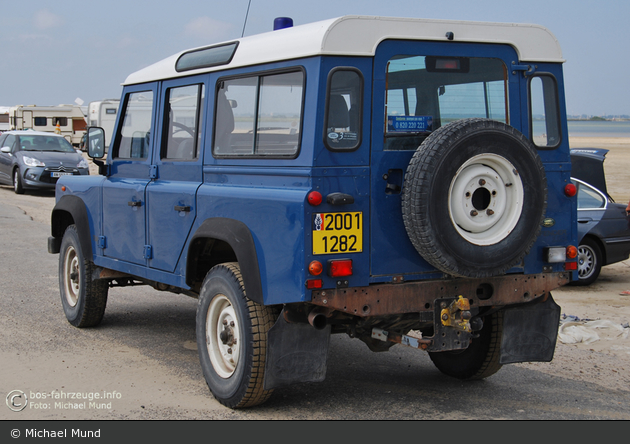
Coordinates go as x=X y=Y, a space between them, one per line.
x=134 y=203
x=185 y=208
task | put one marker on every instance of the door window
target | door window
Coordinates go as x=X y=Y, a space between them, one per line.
x=182 y=116
x=135 y=133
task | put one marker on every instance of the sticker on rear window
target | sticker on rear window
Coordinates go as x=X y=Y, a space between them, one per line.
x=409 y=124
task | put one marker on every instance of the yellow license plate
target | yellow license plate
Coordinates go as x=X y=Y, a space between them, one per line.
x=337 y=233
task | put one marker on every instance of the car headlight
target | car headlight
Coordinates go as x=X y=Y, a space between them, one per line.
x=30 y=161
x=83 y=164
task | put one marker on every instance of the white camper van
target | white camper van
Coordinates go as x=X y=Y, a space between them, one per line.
x=70 y=118
x=103 y=113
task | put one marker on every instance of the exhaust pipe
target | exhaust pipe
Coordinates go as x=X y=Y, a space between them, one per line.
x=318 y=318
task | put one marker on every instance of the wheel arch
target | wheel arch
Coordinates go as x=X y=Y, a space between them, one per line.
x=220 y=240
x=71 y=210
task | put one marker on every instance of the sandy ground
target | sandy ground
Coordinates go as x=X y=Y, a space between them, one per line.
x=606 y=359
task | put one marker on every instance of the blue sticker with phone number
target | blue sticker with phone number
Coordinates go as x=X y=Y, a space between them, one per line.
x=407 y=124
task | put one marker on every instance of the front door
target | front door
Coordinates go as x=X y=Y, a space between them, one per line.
x=124 y=200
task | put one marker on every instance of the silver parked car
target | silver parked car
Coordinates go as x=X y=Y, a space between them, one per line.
x=36 y=160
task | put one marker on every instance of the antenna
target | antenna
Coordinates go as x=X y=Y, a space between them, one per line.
x=246 y=15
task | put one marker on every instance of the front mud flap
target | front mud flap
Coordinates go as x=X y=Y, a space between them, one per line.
x=530 y=331
x=296 y=352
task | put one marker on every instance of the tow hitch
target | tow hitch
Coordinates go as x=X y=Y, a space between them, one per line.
x=452 y=328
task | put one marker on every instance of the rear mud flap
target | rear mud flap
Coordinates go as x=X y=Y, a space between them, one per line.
x=530 y=332
x=295 y=353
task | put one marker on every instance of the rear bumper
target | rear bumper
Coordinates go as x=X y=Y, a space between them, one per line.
x=419 y=296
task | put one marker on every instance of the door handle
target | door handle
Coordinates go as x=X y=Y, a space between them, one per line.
x=134 y=203
x=185 y=208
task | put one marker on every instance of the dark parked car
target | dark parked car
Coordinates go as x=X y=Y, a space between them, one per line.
x=603 y=226
x=33 y=159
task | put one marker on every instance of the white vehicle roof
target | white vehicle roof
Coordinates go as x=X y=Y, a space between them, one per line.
x=30 y=132
x=360 y=36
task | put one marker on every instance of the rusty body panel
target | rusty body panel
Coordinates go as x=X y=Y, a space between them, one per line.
x=419 y=296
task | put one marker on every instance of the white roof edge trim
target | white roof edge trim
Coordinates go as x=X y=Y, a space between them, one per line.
x=360 y=36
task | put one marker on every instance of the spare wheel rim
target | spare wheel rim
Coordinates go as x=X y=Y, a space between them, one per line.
x=485 y=199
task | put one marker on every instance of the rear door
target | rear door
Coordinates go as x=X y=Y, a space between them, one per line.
x=418 y=87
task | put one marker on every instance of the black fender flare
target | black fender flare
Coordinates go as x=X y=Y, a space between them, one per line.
x=236 y=234
x=75 y=207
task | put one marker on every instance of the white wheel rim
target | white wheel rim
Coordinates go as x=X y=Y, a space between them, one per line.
x=16 y=178
x=224 y=353
x=586 y=261
x=485 y=199
x=71 y=276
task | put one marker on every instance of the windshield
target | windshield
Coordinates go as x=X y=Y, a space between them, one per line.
x=45 y=143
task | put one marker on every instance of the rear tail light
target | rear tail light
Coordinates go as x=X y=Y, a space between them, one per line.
x=570 y=190
x=570 y=266
x=572 y=252
x=555 y=254
x=313 y=284
x=339 y=267
x=314 y=198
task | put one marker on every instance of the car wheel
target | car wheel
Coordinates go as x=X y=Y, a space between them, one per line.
x=474 y=197
x=232 y=338
x=589 y=262
x=17 y=182
x=480 y=359
x=83 y=298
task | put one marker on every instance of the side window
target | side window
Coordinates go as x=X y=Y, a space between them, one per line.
x=427 y=92
x=10 y=142
x=40 y=121
x=589 y=198
x=181 y=137
x=343 y=110
x=544 y=111
x=259 y=116
x=135 y=133
x=62 y=121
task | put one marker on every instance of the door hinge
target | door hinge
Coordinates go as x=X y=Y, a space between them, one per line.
x=154 y=172
x=102 y=242
x=148 y=252
x=528 y=70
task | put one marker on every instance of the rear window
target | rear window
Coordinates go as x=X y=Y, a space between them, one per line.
x=427 y=92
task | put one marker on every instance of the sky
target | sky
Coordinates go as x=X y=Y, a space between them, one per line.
x=57 y=52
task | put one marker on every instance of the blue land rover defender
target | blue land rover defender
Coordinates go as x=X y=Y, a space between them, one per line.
x=403 y=181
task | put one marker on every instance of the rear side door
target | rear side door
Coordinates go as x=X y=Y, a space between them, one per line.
x=171 y=203
x=124 y=202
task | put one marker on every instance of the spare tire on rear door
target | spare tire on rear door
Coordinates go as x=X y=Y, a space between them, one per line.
x=474 y=197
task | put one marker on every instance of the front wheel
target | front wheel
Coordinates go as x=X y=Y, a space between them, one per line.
x=17 y=182
x=232 y=338
x=82 y=297
x=480 y=359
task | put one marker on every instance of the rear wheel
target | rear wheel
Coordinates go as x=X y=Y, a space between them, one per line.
x=589 y=262
x=480 y=359
x=232 y=338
